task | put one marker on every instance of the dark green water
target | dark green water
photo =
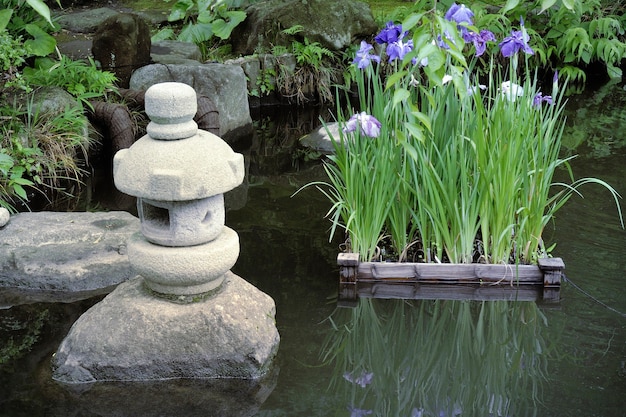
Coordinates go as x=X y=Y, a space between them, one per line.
x=427 y=358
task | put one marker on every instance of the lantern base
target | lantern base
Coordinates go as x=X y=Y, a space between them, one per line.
x=133 y=336
x=186 y=270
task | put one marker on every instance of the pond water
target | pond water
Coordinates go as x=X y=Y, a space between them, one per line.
x=402 y=358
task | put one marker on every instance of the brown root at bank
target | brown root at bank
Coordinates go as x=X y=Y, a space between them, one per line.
x=471 y=281
x=121 y=128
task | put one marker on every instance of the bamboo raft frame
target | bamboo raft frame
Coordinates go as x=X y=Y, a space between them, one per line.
x=541 y=282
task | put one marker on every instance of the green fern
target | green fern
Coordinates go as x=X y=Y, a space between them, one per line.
x=567 y=34
x=575 y=46
x=293 y=30
x=606 y=27
x=278 y=50
x=310 y=53
x=572 y=74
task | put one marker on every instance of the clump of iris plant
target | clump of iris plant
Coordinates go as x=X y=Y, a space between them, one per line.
x=427 y=145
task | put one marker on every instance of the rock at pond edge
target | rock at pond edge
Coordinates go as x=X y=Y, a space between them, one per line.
x=134 y=336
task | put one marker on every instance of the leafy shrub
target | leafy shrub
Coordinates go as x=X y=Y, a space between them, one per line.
x=567 y=35
x=40 y=151
x=29 y=20
x=12 y=53
x=571 y=35
x=317 y=69
x=201 y=21
x=84 y=80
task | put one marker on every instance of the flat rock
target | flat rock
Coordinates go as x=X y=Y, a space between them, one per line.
x=64 y=253
x=175 y=52
x=321 y=140
x=86 y=21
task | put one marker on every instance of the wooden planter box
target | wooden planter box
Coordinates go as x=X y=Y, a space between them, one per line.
x=541 y=282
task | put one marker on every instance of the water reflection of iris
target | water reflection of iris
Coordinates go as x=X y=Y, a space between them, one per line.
x=438 y=358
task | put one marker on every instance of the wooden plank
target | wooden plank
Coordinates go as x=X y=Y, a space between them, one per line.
x=429 y=272
x=449 y=281
x=552 y=269
x=348 y=259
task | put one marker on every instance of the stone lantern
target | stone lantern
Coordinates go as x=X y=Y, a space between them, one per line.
x=179 y=175
x=185 y=314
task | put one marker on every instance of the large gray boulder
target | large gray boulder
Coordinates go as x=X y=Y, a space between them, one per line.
x=59 y=256
x=225 y=85
x=121 y=44
x=334 y=24
x=132 y=335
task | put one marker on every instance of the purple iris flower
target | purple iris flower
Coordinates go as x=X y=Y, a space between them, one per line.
x=518 y=41
x=540 y=98
x=358 y=412
x=364 y=56
x=555 y=82
x=465 y=33
x=459 y=14
x=443 y=44
x=362 y=380
x=390 y=33
x=368 y=124
x=398 y=49
x=480 y=40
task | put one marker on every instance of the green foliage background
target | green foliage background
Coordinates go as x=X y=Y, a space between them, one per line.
x=575 y=37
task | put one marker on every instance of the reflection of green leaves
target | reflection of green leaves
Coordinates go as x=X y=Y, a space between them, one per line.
x=485 y=358
x=21 y=336
x=591 y=126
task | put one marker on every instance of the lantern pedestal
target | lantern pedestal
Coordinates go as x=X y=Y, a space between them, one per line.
x=131 y=335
